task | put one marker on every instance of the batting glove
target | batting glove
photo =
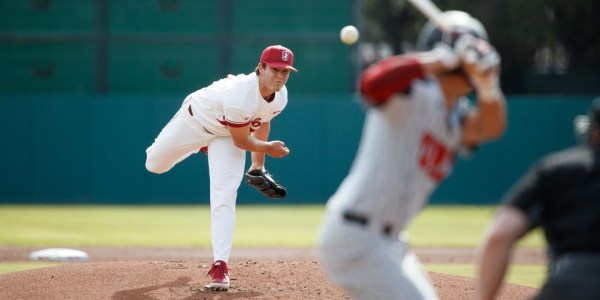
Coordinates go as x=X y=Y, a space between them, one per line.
x=477 y=51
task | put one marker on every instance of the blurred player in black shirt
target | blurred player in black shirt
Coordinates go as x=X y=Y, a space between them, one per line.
x=561 y=194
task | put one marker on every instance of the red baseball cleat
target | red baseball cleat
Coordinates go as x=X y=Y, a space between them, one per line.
x=204 y=150
x=220 y=276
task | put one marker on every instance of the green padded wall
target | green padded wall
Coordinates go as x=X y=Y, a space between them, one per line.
x=48 y=16
x=91 y=149
x=160 y=67
x=166 y=46
x=48 y=67
x=289 y=17
x=172 y=17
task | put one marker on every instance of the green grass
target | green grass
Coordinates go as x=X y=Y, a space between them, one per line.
x=527 y=275
x=103 y=225
x=20 y=266
x=458 y=226
x=256 y=226
x=163 y=226
x=185 y=226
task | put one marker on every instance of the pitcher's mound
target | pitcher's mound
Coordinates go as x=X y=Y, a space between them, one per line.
x=186 y=280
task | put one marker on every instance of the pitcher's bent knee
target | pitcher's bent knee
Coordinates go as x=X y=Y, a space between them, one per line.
x=156 y=166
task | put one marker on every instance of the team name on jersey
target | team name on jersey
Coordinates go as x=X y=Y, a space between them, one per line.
x=434 y=157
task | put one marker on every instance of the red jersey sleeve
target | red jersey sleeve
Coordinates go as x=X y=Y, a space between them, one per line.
x=389 y=76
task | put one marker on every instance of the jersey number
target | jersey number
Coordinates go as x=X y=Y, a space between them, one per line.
x=434 y=158
x=255 y=124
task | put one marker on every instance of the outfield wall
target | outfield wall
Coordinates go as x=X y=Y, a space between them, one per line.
x=166 y=46
x=91 y=149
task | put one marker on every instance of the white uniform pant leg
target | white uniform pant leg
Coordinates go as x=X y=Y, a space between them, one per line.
x=226 y=169
x=369 y=265
x=176 y=141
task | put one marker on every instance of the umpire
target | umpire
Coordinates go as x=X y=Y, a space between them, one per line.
x=561 y=194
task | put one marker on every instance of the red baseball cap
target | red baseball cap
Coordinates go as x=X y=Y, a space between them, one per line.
x=278 y=56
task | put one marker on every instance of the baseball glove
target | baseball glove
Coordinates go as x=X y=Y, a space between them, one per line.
x=266 y=184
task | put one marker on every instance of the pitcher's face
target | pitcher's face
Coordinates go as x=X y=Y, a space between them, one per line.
x=272 y=79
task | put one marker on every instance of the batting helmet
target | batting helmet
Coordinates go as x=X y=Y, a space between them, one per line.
x=582 y=124
x=459 y=21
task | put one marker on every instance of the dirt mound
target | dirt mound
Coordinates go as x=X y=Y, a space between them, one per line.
x=186 y=279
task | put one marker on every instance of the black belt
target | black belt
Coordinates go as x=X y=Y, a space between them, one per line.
x=580 y=261
x=364 y=221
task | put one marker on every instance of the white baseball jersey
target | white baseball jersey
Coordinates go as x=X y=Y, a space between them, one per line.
x=408 y=147
x=235 y=101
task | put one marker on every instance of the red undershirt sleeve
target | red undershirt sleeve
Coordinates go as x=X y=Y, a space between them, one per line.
x=389 y=76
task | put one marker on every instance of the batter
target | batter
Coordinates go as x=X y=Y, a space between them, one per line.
x=417 y=122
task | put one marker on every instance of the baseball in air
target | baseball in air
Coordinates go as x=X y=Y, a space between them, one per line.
x=349 y=35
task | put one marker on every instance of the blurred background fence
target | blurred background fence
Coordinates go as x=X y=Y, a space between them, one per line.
x=163 y=46
x=86 y=85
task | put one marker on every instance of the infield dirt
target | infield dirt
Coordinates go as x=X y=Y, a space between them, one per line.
x=256 y=273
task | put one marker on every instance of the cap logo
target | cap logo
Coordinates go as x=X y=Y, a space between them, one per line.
x=278 y=56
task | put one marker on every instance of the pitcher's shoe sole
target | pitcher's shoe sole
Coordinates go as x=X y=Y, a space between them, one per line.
x=219 y=287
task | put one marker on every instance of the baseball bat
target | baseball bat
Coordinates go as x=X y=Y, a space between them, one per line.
x=432 y=12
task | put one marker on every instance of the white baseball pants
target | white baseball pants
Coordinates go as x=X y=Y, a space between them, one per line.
x=182 y=137
x=369 y=264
